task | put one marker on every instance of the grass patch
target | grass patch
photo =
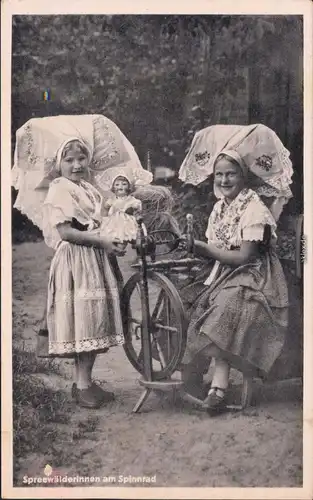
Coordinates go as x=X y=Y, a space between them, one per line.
x=36 y=408
x=26 y=363
x=42 y=416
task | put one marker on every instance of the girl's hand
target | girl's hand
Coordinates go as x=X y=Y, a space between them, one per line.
x=119 y=248
x=112 y=246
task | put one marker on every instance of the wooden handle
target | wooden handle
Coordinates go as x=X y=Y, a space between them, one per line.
x=190 y=235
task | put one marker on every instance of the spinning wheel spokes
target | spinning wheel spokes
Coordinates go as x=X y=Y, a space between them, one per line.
x=165 y=241
x=167 y=324
x=158 y=306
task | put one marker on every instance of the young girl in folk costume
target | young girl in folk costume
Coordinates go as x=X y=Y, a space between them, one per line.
x=238 y=309
x=83 y=308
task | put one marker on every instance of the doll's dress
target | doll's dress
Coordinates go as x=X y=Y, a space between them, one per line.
x=119 y=224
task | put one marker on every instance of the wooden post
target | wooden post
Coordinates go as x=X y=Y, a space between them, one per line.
x=190 y=236
x=145 y=337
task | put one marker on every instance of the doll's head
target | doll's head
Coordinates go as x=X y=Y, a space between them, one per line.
x=121 y=186
x=74 y=161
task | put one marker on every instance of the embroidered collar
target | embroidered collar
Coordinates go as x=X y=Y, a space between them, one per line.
x=225 y=218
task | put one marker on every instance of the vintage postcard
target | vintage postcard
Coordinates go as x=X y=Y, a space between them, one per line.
x=157 y=249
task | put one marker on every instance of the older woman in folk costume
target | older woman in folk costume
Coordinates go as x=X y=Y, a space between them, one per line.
x=238 y=308
x=59 y=162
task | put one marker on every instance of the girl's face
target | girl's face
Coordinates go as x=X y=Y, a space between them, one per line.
x=228 y=177
x=74 y=163
x=121 y=186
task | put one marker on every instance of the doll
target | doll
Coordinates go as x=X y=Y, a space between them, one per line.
x=122 y=208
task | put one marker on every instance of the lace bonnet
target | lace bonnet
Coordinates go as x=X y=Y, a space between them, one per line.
x=263 y=154
x=136 y=177
x=40 y=142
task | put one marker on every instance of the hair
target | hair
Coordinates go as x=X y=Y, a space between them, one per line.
x=124 y=179
x=70 y=146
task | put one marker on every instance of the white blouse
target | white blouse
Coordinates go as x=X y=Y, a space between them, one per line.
x=243 y=220
x=250 y=226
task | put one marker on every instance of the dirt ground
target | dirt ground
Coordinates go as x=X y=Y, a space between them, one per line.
x=178 y=443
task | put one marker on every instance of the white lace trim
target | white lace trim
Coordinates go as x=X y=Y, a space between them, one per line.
x=262 y=151
x=135 y=175
x=110 y=147
x=256 y=233
x=90 y=344
x=29 y=201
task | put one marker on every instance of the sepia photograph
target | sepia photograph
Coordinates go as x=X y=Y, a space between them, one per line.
x=157 y=223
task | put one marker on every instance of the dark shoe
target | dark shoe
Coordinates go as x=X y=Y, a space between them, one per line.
x=87 y=398
x=214 y=403
x=101 y=395
x=104 y=396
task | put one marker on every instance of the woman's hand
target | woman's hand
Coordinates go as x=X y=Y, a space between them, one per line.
x=182 y=245
x=248 y=251
x=198 y=246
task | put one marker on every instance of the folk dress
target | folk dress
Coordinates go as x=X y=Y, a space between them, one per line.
x=83 y=307
x=242 y=310
x=119 y=224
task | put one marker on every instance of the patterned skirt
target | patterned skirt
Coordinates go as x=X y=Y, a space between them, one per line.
x=83 y=306
x=244 y=312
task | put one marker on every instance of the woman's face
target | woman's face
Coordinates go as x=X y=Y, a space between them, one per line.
x=121 y=186
x=74 y=163
x=228 y=177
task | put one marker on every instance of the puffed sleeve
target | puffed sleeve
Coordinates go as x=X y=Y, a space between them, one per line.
x=58 y=206
x=254 y=220
x=108 y=203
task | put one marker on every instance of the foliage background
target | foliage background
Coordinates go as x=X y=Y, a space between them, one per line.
x=161 y=78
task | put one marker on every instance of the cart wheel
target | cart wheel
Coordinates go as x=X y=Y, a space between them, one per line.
x=168 y=324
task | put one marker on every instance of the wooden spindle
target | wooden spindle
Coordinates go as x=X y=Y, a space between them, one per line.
x=190 y=235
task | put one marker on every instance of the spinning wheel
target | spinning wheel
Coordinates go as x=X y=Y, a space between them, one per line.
x=154 y=320
x=167 y=324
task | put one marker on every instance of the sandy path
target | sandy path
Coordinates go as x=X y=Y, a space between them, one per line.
x=179 y=444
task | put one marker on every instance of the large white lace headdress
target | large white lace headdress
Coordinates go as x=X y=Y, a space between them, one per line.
x=264 y=155
x=38 y=143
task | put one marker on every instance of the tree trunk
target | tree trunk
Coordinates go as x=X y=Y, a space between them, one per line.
x=254 y=106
